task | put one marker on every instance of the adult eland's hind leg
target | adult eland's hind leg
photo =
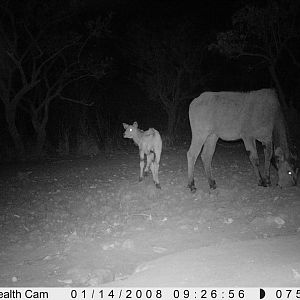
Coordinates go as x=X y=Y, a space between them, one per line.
x=268 y=151
x=192 y=156
x=250 y=146
x=206 y=156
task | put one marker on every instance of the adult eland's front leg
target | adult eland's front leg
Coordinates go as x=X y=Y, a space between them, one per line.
x=250 y=145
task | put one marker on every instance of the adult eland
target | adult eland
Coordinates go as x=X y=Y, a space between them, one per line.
x=250 y=116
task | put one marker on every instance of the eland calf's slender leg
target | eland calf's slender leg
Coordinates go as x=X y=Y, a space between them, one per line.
x=155 y=164
x=142 y=164
x=150 y=159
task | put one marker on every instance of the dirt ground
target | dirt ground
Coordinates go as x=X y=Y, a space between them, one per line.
x=89 y=222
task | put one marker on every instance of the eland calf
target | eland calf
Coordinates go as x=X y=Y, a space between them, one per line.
x=150 y=144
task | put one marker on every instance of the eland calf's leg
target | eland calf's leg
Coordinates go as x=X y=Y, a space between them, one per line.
x=155 y=164
x=154 y=169
x=142 y=164
x=150 y=159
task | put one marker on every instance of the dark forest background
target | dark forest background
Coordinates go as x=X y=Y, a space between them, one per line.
x=72 y=71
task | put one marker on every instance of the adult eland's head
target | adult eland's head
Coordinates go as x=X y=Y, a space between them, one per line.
x=287 y=175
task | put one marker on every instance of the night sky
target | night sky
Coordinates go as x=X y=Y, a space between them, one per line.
x=118 y=95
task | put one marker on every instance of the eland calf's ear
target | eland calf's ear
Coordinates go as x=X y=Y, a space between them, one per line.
x=135 y=124
x=125 y=125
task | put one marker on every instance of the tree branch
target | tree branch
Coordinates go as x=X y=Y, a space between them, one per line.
x=291 y=54
x=19 y=66
x=75 y=101
x=24 y=90
x=246 y=53
x=32 y=43
x=52 y=57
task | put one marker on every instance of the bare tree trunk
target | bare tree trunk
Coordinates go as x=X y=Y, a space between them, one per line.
x=39 y=121
x=10 y=115
x=40 y=141
x=171 y=111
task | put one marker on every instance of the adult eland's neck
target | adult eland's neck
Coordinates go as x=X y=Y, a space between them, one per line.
x=280 y=135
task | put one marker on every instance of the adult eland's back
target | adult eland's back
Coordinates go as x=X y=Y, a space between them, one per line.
x=248 y=116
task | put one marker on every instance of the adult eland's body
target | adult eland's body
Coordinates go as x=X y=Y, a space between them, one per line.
x=251 y=116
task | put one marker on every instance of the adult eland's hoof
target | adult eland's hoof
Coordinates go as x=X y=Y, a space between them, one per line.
x=212 y=184
x=192 y=188
x=261 y=182
x=158 y=186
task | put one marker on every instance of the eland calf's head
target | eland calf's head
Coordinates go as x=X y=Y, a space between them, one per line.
x=130 y=130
